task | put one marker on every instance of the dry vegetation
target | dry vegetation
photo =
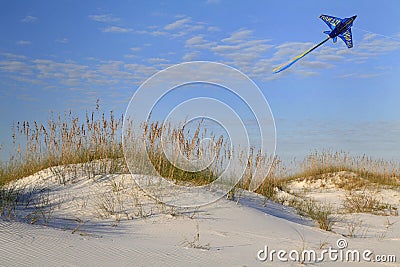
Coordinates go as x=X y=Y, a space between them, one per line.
x=374 y=171
x=66 y=140
x=63 y=140
x=366 y=202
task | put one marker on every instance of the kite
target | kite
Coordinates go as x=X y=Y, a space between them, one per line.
x=339 y=28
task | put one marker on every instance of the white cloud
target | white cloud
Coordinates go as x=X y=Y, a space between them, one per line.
x=288 y=50
x=240 y=50
x=195 y=40
x=106 y=76
x=306 y=73
x=329 y=57
x=103 y=18
x=369 y=36
x=258 y=56
x=177 y=24
x=152 y=32
x=181 y=27
x=255 y=57
x=243 y=52
x=157 y=33
x=316 y=64
x=376 y=45
x=23 y=42
x=62 y=40
x=157 y=60
x=213 y=29
x=198 y=42
x=195 y=27
x=117 y=29
x=238 y=36
x=225 y=48
x=29 y=19
x=359 y=75
x=347 y=75
x=141 y=71
x=371 y=45
x=130 y=56
x=193 y=55
x=15 y=66
x=13 y=56
x=61 y=71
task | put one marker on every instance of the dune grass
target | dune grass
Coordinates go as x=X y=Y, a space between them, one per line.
x=68 y=139
x=63 y=140
x=95 y=140
x=159 y=137
x=376 y=171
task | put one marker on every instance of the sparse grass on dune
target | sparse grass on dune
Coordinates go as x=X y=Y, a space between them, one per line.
x=188 y=147
x=67 y=140
x=376 y=171
x=322 y=214
x=64 y=140
x=365 y=201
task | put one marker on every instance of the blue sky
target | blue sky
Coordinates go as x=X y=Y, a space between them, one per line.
x=60 y=55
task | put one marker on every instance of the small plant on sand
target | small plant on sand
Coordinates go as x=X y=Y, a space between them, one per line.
x=43 y=208
x=235 y=193
x=365 y=202
x=195 y=243
x=270 y=187
x=353 y=226
x=9 y=198
x=141 y=212
x=320 y=213
x=109 y=205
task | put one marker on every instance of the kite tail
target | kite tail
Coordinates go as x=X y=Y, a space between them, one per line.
x=294 y=60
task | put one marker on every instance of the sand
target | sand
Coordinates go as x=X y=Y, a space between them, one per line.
x=78 y=229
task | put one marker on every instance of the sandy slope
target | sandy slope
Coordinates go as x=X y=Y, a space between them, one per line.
x=230 y=234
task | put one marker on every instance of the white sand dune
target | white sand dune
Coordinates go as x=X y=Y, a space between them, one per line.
x=226 y=233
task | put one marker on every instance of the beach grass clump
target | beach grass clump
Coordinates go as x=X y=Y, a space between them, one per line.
x=9 y=198
x=378 y=171
x=320 y=213
x=66 y=141
x=365 y=201
x=92 y=145
x=174 y=152
x=186 y=144
x=63 y=140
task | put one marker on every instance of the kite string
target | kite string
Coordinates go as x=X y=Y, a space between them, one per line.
x=386 y=36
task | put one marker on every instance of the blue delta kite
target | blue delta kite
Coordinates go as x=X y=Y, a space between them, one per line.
x=339 y=28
